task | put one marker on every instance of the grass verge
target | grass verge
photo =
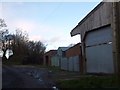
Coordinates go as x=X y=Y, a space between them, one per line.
x=89 y=82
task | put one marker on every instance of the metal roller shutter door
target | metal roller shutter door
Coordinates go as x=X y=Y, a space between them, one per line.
x=99 y=51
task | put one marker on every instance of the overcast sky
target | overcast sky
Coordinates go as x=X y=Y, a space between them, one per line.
x=49 y=22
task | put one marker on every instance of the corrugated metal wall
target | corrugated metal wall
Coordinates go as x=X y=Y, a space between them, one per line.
x=102 y=61
x=64 y=63
x=55 y=61
x=69 y=64
x=74 y=63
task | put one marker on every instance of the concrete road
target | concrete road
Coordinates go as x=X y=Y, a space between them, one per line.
x=24 y=77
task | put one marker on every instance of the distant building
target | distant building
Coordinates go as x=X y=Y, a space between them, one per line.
x=48 y=55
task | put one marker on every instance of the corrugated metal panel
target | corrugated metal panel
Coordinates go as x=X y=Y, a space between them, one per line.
x=100 y=59
x=102 y=35
x=52 y=61
x=76 y=63
x=71 y=64
x=99 y=56
x=55 y=61
x=64 y=64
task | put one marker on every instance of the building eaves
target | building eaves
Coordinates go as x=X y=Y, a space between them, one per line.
x=86 y=17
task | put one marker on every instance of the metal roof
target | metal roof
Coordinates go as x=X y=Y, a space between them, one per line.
x=63 y=48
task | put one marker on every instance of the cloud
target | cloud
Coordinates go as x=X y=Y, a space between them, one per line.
x=36 y=30
x=71 y=40
x=24 y=25
x=54 y=40
x=37 y=38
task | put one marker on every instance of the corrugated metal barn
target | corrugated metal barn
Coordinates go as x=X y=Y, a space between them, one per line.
x=100 y=38
x=48 y=55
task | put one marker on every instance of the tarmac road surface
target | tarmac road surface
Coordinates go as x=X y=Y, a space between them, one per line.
x=23 y=77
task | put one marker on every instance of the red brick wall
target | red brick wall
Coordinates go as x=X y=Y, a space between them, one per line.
x=49 y=54
x=74 y=51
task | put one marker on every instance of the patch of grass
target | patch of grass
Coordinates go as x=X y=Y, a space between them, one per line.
x=51 y=68
x=54 y=69
x=9 y=62
x=89 y=82
x=12 y=60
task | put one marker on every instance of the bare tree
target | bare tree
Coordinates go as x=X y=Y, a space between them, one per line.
x=30 y=52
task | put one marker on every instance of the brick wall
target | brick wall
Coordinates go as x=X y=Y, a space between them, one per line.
x=48 y=55
x=74 y=51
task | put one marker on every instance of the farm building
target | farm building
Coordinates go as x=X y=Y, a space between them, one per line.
x=74 y=56
x=48 y=55
x=100 y=38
